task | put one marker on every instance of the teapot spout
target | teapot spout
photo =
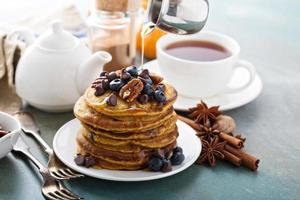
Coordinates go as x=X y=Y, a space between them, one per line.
x=90 y=69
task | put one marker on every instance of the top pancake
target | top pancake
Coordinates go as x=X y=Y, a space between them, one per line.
x=125 y=109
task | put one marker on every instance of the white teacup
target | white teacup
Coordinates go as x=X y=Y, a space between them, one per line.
x=202 y=78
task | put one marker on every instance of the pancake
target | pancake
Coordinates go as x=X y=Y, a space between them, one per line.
x=113 y=159
x=125 y=109
x=156 y=142
x=97 y=120
x=128 y=148
x=168 y=126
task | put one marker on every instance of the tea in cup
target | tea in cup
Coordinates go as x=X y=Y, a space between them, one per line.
x=201 y=65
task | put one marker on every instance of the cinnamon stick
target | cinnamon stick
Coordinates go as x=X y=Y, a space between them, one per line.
x=239 y=136
x=233 y=154
x=232 y=158
x=189 y=122
x=247 y=160
x=236 y=142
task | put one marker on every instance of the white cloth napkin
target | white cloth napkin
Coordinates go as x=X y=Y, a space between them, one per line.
x=11 y=49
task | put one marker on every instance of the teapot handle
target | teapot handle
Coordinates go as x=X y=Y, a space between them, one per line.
x=24 y=34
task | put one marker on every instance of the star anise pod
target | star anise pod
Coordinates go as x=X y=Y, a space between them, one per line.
x=202 y=114
x=211 y=150
x=207 y=132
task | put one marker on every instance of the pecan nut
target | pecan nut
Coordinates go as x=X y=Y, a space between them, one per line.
x=131 y=90
x=156 y=78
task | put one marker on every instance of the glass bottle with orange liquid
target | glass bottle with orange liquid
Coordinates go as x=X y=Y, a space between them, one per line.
x=112 y=27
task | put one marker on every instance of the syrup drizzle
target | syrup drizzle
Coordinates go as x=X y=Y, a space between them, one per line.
x=146 y=29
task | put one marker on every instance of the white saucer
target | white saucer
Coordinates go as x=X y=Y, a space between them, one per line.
x=226 y=101
x=64 y=145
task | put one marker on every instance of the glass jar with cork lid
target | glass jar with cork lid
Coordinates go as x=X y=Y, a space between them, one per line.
x=112 y=27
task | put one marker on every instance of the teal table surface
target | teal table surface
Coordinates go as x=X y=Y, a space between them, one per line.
x=269 y=34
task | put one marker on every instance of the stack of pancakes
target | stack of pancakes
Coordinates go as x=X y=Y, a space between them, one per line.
x=125 y=135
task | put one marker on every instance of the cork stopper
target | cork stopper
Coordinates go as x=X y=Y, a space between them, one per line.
x=118 y=5
x=112 y=5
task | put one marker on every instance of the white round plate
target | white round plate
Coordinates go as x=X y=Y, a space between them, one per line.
x=226 y=101
x=64 y=145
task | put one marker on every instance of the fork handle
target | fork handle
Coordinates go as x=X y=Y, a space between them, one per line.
x=29 y=155
x=41 y=141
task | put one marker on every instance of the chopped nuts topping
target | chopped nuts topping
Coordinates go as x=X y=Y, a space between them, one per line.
x=131 y=90
x=131 y=83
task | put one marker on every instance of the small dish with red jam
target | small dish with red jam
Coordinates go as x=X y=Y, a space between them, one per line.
x=10 y=130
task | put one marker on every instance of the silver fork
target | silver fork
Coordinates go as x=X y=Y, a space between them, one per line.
x=51 y=188
x=56 y=168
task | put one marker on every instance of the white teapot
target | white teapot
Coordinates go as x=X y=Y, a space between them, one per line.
x=55 y=69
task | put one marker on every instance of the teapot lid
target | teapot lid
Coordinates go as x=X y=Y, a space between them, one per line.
x=57 y=38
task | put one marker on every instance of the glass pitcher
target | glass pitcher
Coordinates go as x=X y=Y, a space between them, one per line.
x=178 y=16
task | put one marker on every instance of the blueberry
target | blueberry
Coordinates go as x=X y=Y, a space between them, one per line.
x=177 y=158
x=177 y=149
x=160 y=96
x=116 y=84
x=167 y=165
x=161 y=87
x=104 y=73
x=148 y=90
x=111 y=76
x=146 y=80
x=132 y=70
x=155 y=164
